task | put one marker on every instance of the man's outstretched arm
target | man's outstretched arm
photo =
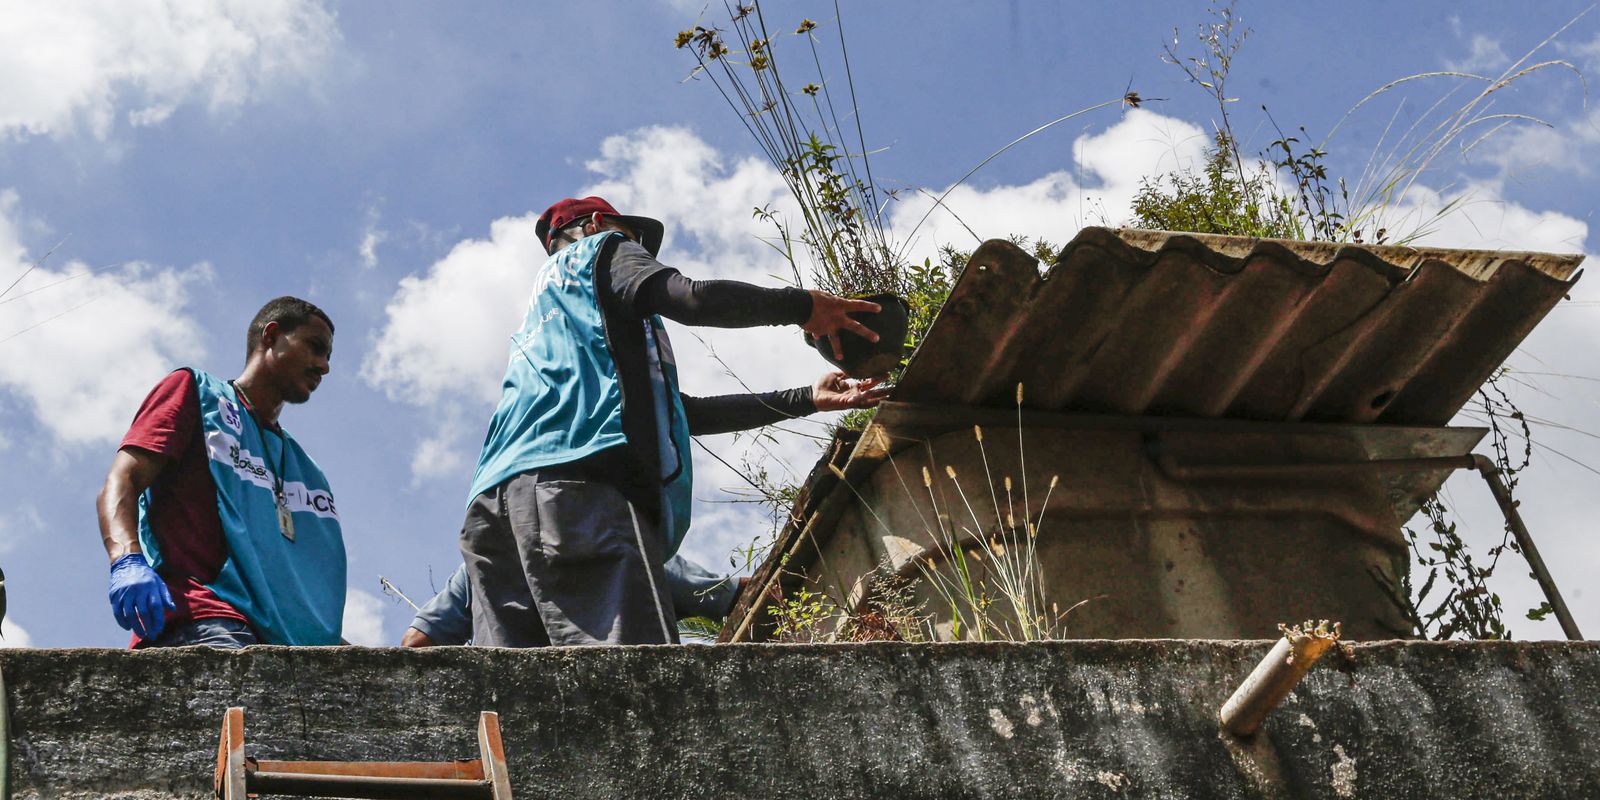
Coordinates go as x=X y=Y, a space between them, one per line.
x=834 y=391
x=646 y=286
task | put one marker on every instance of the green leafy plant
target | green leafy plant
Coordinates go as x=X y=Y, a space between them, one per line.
x=699 y=629
x=1219 y=199
x=803 y=617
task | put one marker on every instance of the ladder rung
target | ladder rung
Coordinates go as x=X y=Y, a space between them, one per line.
x=377 y=788
x=459 y=770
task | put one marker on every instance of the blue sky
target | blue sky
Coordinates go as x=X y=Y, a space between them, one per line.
x=386 y=161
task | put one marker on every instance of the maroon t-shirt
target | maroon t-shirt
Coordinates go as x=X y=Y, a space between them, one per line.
x=183 y=500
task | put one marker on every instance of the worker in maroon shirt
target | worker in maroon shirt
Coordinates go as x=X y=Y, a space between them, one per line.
x=220 y=529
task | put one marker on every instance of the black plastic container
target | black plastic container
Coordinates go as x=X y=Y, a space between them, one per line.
x=864 y=359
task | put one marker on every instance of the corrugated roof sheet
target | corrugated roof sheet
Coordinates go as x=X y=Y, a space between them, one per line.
x=1153 y=323
x=1150 y=323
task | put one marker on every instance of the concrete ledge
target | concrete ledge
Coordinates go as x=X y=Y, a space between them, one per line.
x=1063 y=719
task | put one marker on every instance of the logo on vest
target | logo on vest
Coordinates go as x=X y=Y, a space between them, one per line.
x=301 y=497
x=230 y=415
x=251 y=468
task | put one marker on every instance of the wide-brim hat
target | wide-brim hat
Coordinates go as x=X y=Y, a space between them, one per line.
x=571 y=210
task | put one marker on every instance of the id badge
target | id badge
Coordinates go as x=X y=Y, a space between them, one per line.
x=285 y=521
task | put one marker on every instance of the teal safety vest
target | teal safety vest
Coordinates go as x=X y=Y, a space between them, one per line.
x=562 y=400
x=292 y=591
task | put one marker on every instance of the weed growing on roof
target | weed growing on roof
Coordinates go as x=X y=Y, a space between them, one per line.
x=1240 y=195
x=812 y=135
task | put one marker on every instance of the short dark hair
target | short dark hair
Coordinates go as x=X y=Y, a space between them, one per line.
x=288 y=312
x=561 y=238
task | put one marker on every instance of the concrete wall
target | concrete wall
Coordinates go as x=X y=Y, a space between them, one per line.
x=1161 y=558
x=1063 y=719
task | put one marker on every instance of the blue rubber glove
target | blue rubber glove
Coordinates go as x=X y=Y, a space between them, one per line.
x=139 y=598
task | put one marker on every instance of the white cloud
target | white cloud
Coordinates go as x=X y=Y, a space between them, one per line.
x=1484 y=55
x=1107 y=170
x=448 y=331
x=704 y=202
x=1585 y=53
x=363 y=619
x=15 y=635
x=690 y=6
x=371 y=237
x=1483 y=219
x=438 y=456
x=67 y=64
x=18 y=524
x=1569 y=146
x=81 y=355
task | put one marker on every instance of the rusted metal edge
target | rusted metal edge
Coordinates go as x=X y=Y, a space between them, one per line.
x=993 y=320
x=229 y=782
x=1305 y=469
x=1275 y=677
x=1477 y=263
x=1508 y=507
x=492 y=755
x=907 y=421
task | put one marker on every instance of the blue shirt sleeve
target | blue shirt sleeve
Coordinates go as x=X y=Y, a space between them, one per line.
x=447 y=618
x=697 y=592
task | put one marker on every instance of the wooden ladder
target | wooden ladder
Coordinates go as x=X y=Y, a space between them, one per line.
x=239 y=777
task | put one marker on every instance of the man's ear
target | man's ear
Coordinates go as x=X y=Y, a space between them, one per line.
x=594 y=225
x=270 y=334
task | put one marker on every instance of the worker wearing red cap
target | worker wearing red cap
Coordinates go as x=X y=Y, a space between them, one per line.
x=582 y=488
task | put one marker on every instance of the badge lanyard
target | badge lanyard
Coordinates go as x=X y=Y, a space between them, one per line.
x=285 y=517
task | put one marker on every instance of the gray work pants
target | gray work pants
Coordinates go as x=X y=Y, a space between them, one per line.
x=563 y=562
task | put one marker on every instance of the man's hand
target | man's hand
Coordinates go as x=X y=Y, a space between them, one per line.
x=139 y=598
x=834 y=391
x=415 y=638
x=830 y=314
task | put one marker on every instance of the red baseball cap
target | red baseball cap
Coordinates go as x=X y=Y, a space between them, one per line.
x=571 y=210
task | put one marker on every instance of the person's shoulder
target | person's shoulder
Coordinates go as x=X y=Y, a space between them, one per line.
x=175 y=389
x=628 y=266
x=622 y=249
x=182 y=376
x=168 y=416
